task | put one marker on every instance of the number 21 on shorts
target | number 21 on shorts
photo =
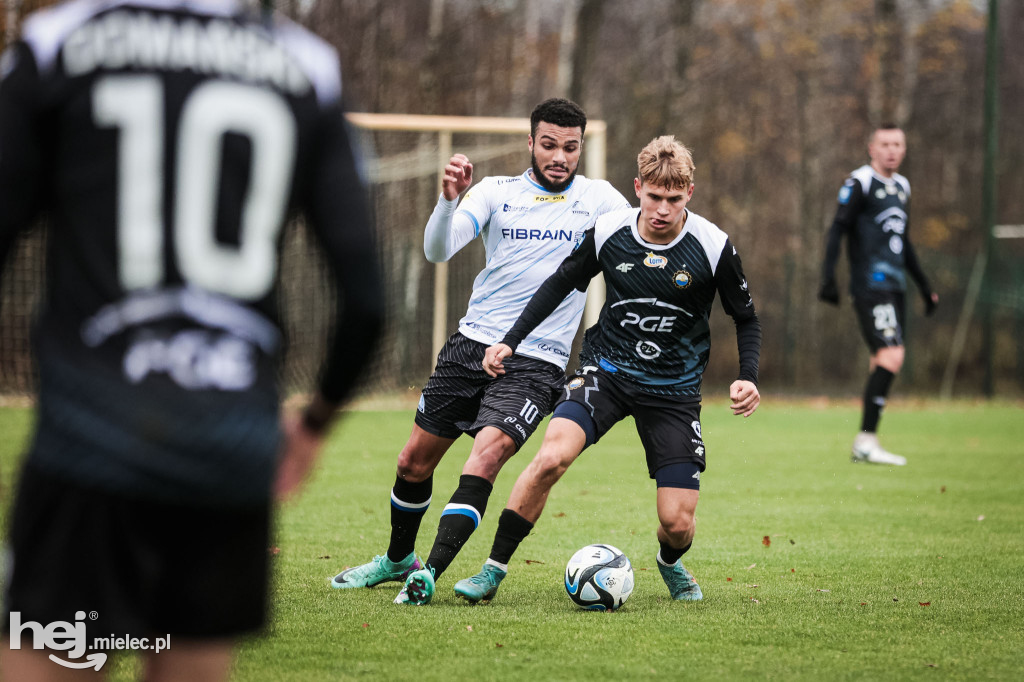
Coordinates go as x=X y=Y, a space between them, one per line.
x=885 y=316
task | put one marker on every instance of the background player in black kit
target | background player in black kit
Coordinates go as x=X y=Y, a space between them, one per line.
x=167 y=142
x=663 y=266
x=873 y=214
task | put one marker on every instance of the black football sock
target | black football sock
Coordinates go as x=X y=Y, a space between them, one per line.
x=512 y=530
x=875 y=394
x=669 y=555
x=409 y=502
x=459 y=519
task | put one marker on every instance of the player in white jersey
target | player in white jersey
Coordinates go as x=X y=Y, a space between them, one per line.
x=529 y=223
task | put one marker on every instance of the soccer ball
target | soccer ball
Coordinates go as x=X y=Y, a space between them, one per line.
x=599 y=578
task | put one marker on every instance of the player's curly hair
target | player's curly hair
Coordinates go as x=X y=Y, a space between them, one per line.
x=560 y=112
x=665 y=162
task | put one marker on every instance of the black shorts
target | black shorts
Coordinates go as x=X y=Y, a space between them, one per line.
x=668 y=426
x=142 y=568
x=881 y=318
x=460 y=397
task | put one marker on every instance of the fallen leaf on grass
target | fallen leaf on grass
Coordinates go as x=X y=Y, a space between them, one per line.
x=533 y=561
x=559 y=515
x=924 y=603
x=755 y=600
x=751 y=566
x=766 y=541
x=728 y=580
x=931 y=665
x=792 y=541
x=895 y=599
x=820 y=590
x=753 y=585
x=498 y=645
x=792 y=570
x=366 y=625
x=942 y=489
x=274 y=550
x=863 y=603
x=469 y=628
x=326 y=556
x=981 y=518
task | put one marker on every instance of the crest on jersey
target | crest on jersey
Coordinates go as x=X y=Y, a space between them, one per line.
x=880 y=193
x=682 y=279
x=576 y=382
x=655 y=261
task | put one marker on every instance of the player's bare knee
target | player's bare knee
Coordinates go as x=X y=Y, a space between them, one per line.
x=413 y=466
x=890 y=359
x=680 y=528
x=548 y=466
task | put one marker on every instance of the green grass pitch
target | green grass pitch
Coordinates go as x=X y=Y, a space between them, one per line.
x=813 y=568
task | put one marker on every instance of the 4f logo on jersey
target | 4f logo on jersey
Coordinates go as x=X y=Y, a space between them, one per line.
x=549 y=200
x=624 y=267
x=655 y=261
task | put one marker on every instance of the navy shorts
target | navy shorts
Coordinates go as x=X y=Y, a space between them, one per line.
x=668 y=426
x=460 y=397
x=881 y=318
x=137 y=567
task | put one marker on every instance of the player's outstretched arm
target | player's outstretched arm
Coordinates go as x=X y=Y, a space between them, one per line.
x=745 y=397
x=493 y=358
x=574 y=272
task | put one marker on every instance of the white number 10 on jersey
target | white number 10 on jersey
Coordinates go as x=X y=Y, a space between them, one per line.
x=135 y=105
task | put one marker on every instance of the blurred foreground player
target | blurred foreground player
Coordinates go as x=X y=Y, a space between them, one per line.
x=873 y=215
x=167 y=142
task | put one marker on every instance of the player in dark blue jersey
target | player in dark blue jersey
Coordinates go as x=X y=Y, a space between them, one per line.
x=166 y=142
x=873 y=215
x=645 y=357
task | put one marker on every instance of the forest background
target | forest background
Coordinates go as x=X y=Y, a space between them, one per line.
x=776 y=98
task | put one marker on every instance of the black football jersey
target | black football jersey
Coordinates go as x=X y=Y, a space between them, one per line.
x=653 y=328
x=167 y=142
x=873 y=213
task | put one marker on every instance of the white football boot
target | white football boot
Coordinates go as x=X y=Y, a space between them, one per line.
x=867 y=449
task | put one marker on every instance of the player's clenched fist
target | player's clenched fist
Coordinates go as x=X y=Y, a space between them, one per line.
x=493 y=358
x=745 y=397
x=458 y=176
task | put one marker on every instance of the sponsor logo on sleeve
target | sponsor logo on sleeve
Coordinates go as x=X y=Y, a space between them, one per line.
x=845 y=191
